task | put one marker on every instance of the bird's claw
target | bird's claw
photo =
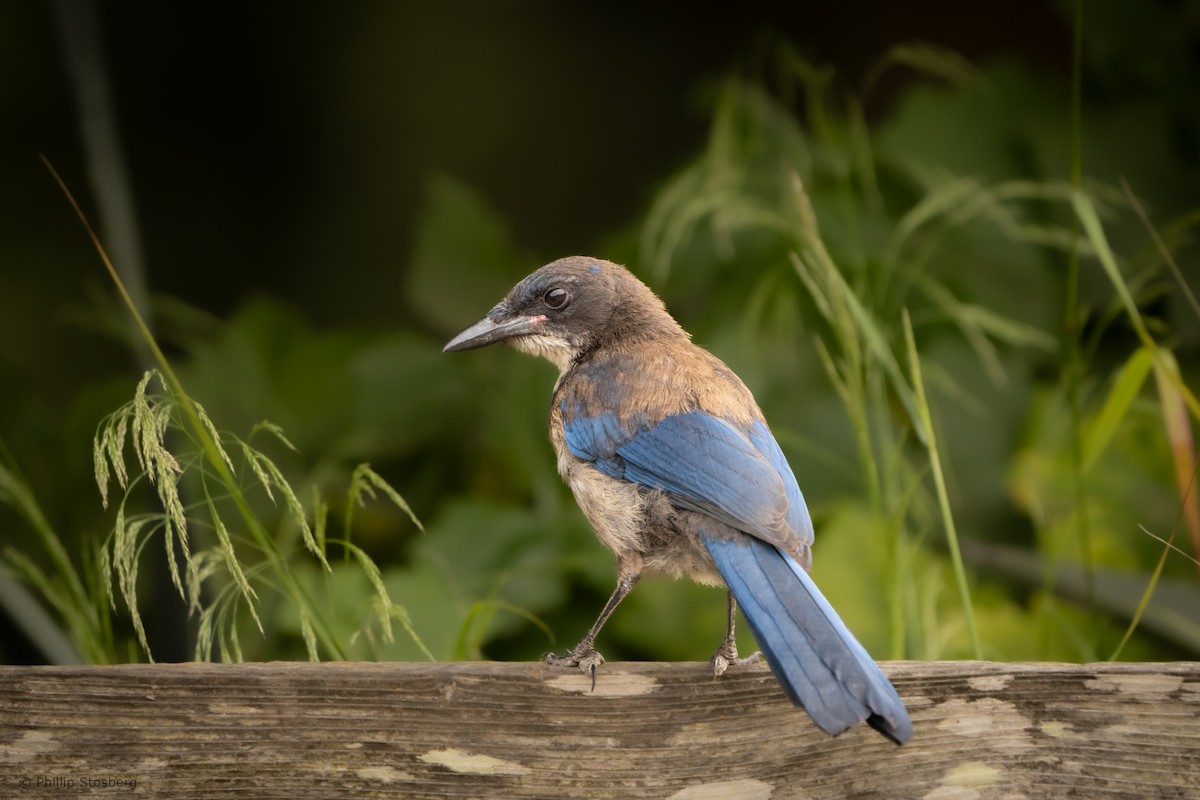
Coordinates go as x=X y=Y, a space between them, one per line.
x=587 y=659
x=726 y=656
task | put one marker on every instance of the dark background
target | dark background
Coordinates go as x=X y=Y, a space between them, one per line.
x=282 y=148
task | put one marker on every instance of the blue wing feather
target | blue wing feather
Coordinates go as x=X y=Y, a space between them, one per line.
x=797 y=511
x=595 y=439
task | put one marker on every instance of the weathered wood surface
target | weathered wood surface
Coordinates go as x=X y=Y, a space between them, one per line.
x=983 y=730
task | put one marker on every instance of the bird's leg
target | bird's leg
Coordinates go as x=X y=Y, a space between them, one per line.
x=584 y=655
x=727 y=653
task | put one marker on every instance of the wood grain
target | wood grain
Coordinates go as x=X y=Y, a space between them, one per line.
x=983 y=730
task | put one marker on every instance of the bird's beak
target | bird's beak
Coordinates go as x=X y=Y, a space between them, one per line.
x=487 y=332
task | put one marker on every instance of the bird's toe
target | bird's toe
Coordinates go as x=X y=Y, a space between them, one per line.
x=587 y=659
x=726 y=657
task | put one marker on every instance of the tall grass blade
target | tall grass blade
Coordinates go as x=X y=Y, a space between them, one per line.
x=200 y=428
x=1156 y=575
x=939 y=482
x=1125 y=389
x=928 y=59
x=68 y=594
x=817 y=263
x=1179 y=435
x=1163 y=251
x=28 y=615
x=1085 y=210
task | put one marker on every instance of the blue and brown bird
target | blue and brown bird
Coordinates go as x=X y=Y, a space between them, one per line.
x=672 y=463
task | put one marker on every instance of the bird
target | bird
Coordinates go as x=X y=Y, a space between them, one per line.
x=671 y=461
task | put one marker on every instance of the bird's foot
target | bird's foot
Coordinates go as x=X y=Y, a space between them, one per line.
x=583 y=656
x=726 y=656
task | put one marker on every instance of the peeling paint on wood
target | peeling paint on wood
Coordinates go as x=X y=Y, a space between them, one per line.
x=989 y=683
x=728 y=790
x=473 y=763
x=618 y=685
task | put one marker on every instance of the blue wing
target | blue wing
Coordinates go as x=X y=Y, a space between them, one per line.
x=705 y=463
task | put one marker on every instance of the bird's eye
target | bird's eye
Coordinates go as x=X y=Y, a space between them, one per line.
x=556 y=298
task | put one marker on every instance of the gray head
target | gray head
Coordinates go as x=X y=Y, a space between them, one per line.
x=571 y=307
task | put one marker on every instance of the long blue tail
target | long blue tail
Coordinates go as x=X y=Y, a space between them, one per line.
x=819 y=663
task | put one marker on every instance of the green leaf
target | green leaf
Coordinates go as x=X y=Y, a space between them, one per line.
x=1085 y=209
x=1125 y=389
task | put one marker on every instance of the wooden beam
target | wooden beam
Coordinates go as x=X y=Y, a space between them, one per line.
x=983 y=730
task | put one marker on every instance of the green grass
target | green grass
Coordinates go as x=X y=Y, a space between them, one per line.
x=218 y=581
x=77 y=596
x=879 y=275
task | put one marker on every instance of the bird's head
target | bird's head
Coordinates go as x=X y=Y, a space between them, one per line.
x=569 y=308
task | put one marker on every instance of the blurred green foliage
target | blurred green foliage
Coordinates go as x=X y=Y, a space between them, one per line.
x=954 y=207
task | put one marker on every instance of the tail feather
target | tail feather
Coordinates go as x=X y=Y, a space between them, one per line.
x=819 y=663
